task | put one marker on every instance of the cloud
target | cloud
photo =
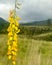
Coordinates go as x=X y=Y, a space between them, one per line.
x=37 y=10
x=30 y=10
x=4 y=10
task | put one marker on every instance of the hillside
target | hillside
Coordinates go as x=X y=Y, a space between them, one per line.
x=38 y=23
x=36 y=27
x=32 y=23
x=2 y=20
x=3 y=25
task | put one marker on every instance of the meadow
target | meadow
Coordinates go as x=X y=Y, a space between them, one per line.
x=34 y=41
x=30 y=51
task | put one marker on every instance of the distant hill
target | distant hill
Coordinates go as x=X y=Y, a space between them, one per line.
x=3 y=25
x=33 y=23
x=39 y=23
x=2 y=20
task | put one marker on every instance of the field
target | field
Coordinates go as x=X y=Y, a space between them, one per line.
x=31 y=51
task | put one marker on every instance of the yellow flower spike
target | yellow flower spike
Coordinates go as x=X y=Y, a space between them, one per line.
x=12 y=36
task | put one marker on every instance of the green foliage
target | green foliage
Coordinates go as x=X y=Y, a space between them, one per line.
x=37 y=32
x=49 y=22
x=31 y=30
x=3 y=26
x=45 y=36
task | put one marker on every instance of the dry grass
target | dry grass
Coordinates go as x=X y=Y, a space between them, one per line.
x=31 y=52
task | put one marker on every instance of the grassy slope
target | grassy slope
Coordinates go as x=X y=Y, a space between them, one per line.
x=44 y=36
x=31 y=52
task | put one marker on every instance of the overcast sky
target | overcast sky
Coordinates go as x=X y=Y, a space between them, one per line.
x=31 y=10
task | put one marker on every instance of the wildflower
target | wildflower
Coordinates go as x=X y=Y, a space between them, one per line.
x=18 y=31
x=13 y=58
x=14 y=63
x=14 y=43
x=9 y=53
x=12 y=37
x=10 y=33
x=9 y=57
x=16 y=23
x=9 y=47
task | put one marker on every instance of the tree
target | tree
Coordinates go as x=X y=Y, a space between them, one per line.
x=49 y=22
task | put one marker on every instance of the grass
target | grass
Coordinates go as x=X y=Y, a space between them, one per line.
x=44 y=36
x=31 y=51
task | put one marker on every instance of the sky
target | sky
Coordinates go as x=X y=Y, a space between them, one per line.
x=31 y=10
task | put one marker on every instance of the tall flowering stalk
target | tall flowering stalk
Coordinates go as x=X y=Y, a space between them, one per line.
x=12 y=36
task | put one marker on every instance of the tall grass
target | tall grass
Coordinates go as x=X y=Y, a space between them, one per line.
x=30 y=51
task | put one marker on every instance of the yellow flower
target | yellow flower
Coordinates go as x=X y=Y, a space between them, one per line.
x=8 y=43
x=15 y=34
x=15 y=37
x=9 y=19
x=9 y=57
x=9 y=52
x=14 y=48
x=11 y=38
x=16 y=23
x=18 y=31
x=13 y=58
x=9 y=29
x=12 y=21
x=15 y=44
x=10 y=33
x=13 y=53
x=13 y=26
x=9 y=47
x=14 y=63
x=16 y=28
